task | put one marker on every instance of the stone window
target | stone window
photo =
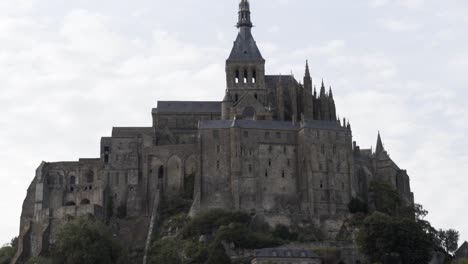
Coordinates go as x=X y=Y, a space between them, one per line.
x=334 y=149
x=269 y=162
x=270 y=149
x=266 y=173
x=218 y=149
x=321 y=184
x=117 y=178
x=267 y=135
x=72 y=180
x=245 y=76
x=237 y=77
x=255 y=95
x=320 y=166
x=254 y=77
x=90 y=176
x=246 y=134
x=236 y=96
x=161 y=172
x=278 y=135
x=106 y=154
x=323 y=149
x=289 y=163
x=282 y=174
x=318 y=134
x=217 y=164
x=216 y=134
x=250 y=168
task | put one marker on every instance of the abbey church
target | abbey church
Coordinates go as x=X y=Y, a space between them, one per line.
x=273 y=146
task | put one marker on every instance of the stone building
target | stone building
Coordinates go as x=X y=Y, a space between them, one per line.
x=462 y=252
x=283 y=256
x=273 y=146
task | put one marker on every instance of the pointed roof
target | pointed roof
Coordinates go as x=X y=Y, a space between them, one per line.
x=245 y=48
x=307 y=71
x=322 y=90
x=379 y=148
x=330 y=93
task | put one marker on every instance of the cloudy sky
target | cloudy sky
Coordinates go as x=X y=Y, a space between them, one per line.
x=71 y=70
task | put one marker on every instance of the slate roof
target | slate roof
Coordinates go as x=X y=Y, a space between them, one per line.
x=188 y=107
x=266 y=124
x=131 y=132
x=245 y=49
x=272 y=81
x=462 y=252
x=285 y=253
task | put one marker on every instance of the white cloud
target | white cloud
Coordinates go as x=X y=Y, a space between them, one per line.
x=399 y=25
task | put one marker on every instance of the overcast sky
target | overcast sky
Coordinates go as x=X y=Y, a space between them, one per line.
x=71 y=70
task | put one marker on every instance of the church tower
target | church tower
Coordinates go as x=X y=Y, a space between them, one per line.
x=245 y=68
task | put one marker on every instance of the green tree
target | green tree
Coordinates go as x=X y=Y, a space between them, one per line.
x=382 y=235
x=86 y=241
x=39 y=260
x=7 y=252
x=167 y=250
x=461 y=261
x=448 y=240
x=387 y=199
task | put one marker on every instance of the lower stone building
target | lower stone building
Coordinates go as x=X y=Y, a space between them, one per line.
x=285 y=256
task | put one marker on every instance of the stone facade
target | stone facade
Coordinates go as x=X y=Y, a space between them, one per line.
x=272 y=146
x=285 y=255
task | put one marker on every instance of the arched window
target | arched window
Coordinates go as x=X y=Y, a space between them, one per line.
x=254 y=76
x=85 y=202
x=245 y=76
x=237 y=77
x=248 y=113
x=72 y=180
x=161 y=172
x=256 y=96
x=236 y=97
x=70 y=203
x=90 y=176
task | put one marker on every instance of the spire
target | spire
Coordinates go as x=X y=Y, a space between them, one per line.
x=322 y=90
x=307 y=71
x=330 y=93
x=315 y=91
x=244 y=15
x=379 y=147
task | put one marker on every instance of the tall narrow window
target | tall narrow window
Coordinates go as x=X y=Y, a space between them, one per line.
x=334 y=149
x=323 y=149
x=250 y=168
x=269 y=163
x=256 y=96
x=106 y=154
x=289 y=163
x=266 y=173
x=282 y=174
x=217 y=164
x=245 y=76
x=254 y=76
x=237 y=77
x=236 y=97
x=218 y=149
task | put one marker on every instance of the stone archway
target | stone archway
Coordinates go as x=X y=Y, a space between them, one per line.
x=174 y=176
x=190 y=172
x=249 y=113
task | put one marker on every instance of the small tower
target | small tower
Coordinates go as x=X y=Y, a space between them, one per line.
x=331 y=105
x=325 y=109
x=308 y=99
x=379 y=147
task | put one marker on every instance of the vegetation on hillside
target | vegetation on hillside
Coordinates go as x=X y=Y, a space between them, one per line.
x=397 y=231
x=7 y=252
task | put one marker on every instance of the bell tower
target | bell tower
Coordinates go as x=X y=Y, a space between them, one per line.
x=245 y=67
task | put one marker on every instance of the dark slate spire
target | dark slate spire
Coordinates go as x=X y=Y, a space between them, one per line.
x=330 y=93
x=245 y=48
x=379 y=147
x=322 y=90
x=307 y=71
x=244 y=14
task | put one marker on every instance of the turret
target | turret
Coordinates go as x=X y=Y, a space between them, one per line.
x=324 y=104
x=379 y=147
x=331 y=105
x=308 y=100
